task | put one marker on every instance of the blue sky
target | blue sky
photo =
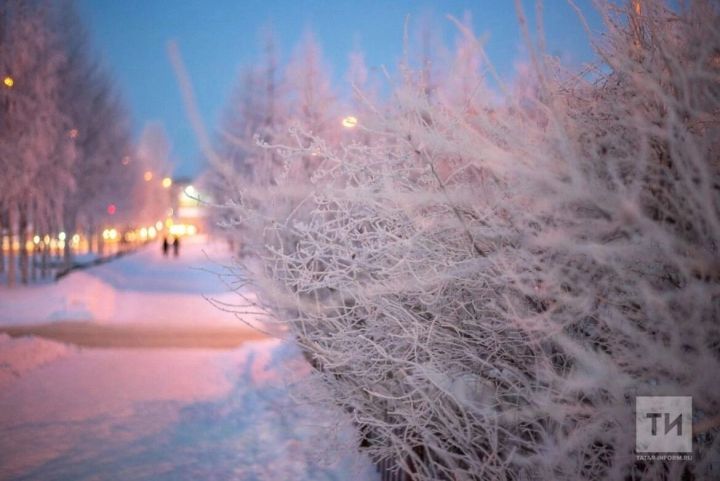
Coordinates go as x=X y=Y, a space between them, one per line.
x=218 y=37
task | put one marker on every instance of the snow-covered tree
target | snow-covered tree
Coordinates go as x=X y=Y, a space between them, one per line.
x=64 y=137
x=100 y=133
x=256 y=113
x=308 y=83
x=313 y=107
x=35 y=151
x=464 y=86
x=152 y=162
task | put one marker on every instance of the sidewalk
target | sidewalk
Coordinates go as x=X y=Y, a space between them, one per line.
x=142 y=288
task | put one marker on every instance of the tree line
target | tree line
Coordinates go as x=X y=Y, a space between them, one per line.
x=66 y=157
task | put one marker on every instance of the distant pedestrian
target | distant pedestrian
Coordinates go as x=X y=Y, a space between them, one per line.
x=176 y=246
x=165 y=246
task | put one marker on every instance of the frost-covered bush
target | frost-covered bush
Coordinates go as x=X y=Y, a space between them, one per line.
x=486 y=290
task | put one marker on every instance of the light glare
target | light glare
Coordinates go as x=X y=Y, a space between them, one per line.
x=350 y=122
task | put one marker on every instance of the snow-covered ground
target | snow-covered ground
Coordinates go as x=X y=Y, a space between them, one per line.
x=157 y=414
x=140 y=287
x=18 y=356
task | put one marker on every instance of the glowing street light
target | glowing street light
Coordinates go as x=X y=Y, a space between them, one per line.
x=8 y=81
x=110 y=234
x=148 y=176
x=191 y=192
x=349 y=122
x=167 y=182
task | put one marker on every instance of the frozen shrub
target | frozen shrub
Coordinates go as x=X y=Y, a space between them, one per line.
x=486 y=290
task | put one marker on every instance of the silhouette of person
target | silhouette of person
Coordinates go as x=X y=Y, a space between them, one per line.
x=176 y=246
x=165 y=246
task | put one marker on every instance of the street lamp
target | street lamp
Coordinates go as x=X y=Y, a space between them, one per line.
x=350 y=122
x=167 y=182
x=190 y=191
x=148 y=176
x=8 y=81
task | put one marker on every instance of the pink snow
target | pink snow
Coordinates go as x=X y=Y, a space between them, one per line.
x=18 y=356
x=171 y=414
x=158 y=414
x=143 y=287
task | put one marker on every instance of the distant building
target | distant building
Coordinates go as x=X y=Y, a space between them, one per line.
x=189 y=206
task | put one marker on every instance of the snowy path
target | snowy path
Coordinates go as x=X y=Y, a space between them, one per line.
x=144 y=287
x=72 y=413
x=166 y=415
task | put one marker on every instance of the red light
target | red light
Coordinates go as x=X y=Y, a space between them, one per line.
x=111 y=209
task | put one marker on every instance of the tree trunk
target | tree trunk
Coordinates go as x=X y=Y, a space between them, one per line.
x=91 y=236
x=33 y=263
x=24 y=254
x=44 y=261
x=67 y=250
x=35 y=247
x=11 y=250
x=3 y=226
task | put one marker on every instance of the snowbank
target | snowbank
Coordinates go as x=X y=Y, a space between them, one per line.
x=18 y=356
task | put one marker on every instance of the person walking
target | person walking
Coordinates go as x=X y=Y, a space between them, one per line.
x=165 y=246
x=176 y=246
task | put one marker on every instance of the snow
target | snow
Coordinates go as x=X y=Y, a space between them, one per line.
x=18 y=356
x=143 y=287
x=158 y=414
x=175 y=415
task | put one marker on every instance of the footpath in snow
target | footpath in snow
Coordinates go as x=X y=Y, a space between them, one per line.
x=144 y=287
x=69 y=412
